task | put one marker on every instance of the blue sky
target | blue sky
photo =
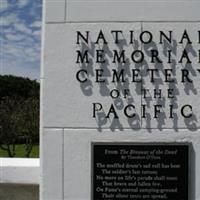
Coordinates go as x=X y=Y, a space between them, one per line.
x=20 y=37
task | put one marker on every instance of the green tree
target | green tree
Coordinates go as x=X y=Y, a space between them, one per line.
x=9 y=118
x=19 y=113
x=12 y=86
x=28 y=125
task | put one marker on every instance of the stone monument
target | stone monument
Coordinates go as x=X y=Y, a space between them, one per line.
x=120 y=95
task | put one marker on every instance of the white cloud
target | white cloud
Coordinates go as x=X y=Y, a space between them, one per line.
x=14 y=50
x=3 y=5
x=35 y=10
x=36 y=24
x=23 y=28
x=14 y=36
x=22 y=3
x=27 y=50
x=31 y=53
x=37 y=33
x=7 y=20
x=21 y=41
x=20 y=60
x=19 y=69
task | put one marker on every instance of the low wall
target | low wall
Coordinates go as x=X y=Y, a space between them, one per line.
x=19 y=179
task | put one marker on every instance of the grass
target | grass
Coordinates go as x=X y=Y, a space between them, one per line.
x=20 y=152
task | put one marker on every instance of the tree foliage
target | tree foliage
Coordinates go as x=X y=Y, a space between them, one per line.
x=19 y=113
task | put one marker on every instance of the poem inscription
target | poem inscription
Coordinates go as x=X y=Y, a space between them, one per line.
x=140 y=171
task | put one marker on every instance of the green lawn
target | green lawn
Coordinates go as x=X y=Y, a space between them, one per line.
x=20 y=153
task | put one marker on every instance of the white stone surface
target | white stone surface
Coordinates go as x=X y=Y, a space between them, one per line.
x=185 y=93
x=55 y=11
x=63 y=94
x=60 y=70
x=77 y=165
x=19 y=170
x=68 y=128
x=52 y=165
x=132 y=10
